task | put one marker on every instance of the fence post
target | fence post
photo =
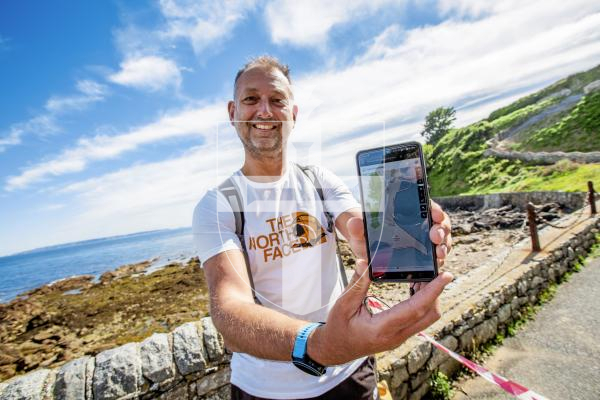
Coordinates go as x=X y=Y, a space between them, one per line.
x=592 y=197
x=535 y=241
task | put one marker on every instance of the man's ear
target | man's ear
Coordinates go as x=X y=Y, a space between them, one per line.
x=231 y=112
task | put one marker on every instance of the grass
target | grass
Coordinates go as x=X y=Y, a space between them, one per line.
x=441 y=386
x=457 y=163
x=579 y=130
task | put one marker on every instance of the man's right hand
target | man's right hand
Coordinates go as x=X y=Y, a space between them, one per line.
x=352 y=331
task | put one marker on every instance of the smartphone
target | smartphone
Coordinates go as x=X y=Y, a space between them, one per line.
x=396 y=213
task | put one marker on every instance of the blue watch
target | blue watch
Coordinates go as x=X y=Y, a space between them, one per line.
x=300 y=356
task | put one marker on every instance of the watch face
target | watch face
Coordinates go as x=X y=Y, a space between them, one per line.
x=309 y=367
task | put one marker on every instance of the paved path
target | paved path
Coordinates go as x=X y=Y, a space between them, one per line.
x=557 y=354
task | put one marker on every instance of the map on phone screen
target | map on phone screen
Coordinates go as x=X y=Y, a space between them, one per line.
x=396 y=217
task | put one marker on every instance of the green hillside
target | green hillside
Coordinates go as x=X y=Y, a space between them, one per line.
x=559 y=117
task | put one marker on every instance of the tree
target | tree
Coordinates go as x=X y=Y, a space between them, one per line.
x=437 y=123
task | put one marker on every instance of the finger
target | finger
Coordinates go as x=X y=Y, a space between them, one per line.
x=432 y=315
x=437 y=234
x=441 y=251
x=440 y=217
x=357 y=289
x=416 y=306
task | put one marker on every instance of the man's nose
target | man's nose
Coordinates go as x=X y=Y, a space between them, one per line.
x=264 y=109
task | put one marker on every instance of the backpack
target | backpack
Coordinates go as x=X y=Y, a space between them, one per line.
x=230 y=190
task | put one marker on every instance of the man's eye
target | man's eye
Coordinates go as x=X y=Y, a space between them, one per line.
x=250 y=98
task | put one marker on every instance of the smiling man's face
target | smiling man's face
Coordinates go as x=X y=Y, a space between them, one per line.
x=263 y=111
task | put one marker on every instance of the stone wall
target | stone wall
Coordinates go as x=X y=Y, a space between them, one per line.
x=545 y=158
x=570 y=200
x=192 y=363
x=408 y=368
x=188 y=363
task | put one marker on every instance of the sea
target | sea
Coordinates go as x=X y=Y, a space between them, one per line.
x=28 y=270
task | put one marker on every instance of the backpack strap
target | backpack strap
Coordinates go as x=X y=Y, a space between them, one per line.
x=309 y=171
x=230 y=190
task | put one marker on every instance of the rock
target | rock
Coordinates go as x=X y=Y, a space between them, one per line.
x=476 y=319
x=521 y=287
x=449 y=367
x=188 y=349
x=462 y=229
x=537 y=281
x=212 y=340
x=224 y=393
x=438 y=356
x=157 y=359
x=118 y=373
x=213 y=381
x=591 y=87
x=465 y=342
x=492 y=306
x=399 y=373
x=70 y=380
x=418 y=357
x=420 y=391
x=180 y=392
x=26 y=387
x=419 y=378
x=504 y=313
x=571 y=253
x=486 y=330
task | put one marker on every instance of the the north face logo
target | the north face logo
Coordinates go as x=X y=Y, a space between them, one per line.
x=308 y=230
x=288 y=234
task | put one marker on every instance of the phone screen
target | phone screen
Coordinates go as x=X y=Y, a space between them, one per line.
x=396 y=214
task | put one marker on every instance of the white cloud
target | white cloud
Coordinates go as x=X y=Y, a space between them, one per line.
x=204 y=23
x=149 y=73
x=383 y=43
x=454 y=63
x=469 y=8
x=90 y=92
x=308 y=22
x=46 y=123
x=188 y=123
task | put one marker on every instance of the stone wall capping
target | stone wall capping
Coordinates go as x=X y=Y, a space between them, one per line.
x=71 y=380
x=213 y=341
x=29 y=386
x=188 y=349
x=118 y=373
x=157 y=360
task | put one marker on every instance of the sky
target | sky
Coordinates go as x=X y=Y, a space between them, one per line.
x=113 y=113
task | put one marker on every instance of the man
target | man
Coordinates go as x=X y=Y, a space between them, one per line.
x=294 y=272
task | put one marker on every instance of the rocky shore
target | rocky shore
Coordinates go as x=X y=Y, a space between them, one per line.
x=55 y=323
x=50 y=325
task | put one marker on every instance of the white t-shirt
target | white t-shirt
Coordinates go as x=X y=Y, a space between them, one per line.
x=293 y=262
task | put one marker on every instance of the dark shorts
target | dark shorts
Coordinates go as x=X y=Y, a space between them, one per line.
x=359 y=386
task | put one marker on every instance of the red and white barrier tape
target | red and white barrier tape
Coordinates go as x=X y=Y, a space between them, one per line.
x=510 y=387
